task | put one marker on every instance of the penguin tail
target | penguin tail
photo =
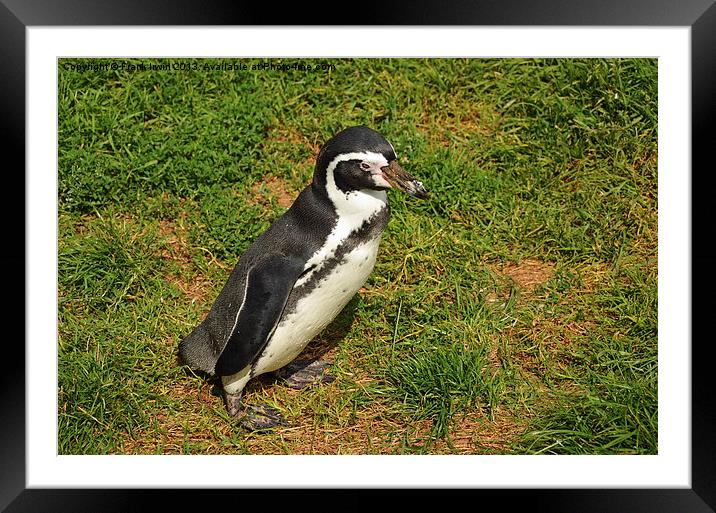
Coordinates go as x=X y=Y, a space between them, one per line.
x=196 y=351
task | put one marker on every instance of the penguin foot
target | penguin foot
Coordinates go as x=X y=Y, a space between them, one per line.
x=260 y=418
x=253 y=418
x=301 y=373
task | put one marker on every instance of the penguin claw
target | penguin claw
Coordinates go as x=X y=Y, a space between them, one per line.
x=260 y=418
x=253 y=418
x=301 y=373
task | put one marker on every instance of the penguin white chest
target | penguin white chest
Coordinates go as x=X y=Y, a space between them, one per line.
x=314 y=311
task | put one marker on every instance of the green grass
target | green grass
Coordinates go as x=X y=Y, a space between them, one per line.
x=513 y=313
x=437 y=382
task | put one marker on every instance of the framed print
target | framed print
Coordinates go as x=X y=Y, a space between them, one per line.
x=528 y=330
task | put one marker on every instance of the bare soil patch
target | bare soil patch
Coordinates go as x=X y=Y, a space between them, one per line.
x=529 y=274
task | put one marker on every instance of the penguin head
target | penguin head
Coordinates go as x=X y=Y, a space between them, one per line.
x=359 y=158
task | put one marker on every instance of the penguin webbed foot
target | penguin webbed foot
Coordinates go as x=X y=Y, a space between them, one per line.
x=302 y=373
x=253 y=418
x=261 y=418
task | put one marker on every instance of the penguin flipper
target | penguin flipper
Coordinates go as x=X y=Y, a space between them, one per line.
x=269 y=282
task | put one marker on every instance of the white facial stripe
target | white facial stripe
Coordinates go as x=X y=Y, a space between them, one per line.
x=355 y=200
x=369 y=156
x=362 y=203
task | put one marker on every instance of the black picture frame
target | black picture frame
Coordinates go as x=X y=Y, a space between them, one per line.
x=699 y=15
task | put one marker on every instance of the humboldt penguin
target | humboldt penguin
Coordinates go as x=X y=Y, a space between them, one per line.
x=300 y=273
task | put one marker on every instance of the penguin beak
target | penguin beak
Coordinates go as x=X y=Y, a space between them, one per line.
x=399 y=178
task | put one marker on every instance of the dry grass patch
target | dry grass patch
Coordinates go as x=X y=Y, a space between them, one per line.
x=167 y=431
x=285 y=137
x=285 y=134
x=459 y=117
x=273 y=189
x=196 y=288
x=476 y=434
x=175 y=236
x=375 y=430
x=529 y=273
x=526 y=277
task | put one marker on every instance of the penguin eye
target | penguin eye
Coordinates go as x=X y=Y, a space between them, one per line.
x=364 y=166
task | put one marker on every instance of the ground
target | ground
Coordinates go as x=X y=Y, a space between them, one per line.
x=515 y=312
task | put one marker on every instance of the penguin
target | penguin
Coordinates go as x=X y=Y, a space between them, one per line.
x=296 y=277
